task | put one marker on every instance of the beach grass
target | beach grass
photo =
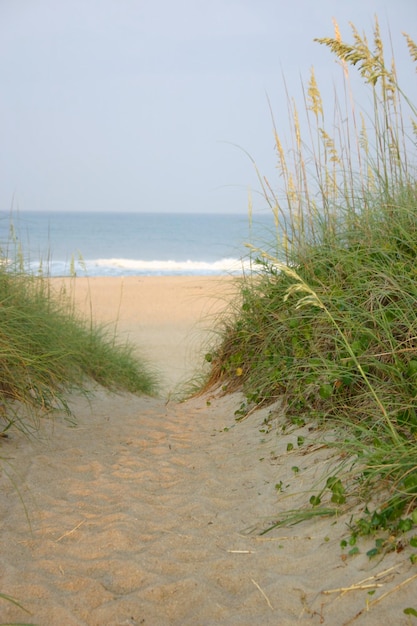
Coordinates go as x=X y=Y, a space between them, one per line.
x=47 y=349
x=327 y=318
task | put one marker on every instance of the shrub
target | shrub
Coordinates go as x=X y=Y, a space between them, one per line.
x=328 y=318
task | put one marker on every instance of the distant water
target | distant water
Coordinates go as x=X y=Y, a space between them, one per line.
x=122 y=244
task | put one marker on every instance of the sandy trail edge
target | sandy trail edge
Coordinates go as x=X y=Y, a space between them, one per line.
x=149 y=512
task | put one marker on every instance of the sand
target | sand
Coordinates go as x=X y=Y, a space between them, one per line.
x=149 y=511
x=168 y=319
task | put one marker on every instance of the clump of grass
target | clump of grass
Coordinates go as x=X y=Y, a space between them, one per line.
x=328 y=317
x=46 y=350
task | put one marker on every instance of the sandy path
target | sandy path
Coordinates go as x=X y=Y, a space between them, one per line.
x=149 y=512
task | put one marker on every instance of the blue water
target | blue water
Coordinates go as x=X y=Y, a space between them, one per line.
x=115 y=244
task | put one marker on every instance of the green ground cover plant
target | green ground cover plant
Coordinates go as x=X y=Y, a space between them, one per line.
x=47 y=350
x=327 y=319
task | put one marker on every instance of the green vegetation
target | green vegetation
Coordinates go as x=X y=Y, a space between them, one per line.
x=327 y=320
x=47 y=350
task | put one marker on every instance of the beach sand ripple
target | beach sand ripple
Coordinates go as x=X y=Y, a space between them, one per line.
x=157 y=521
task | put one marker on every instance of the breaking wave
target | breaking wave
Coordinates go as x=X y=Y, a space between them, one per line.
x=132 y=267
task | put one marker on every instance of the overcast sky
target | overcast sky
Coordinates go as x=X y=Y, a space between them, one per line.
x=133 y=105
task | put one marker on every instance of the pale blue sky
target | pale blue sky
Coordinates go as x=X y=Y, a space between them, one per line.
x=132 y=105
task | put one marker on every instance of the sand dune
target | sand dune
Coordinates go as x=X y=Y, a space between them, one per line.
x=149 y=511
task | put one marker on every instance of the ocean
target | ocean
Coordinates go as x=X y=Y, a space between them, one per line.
x=123 y=244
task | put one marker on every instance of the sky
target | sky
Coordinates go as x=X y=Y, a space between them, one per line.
x=153 y=105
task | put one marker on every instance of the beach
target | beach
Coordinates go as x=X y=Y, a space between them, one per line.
x=151 y=510
x=168 y=319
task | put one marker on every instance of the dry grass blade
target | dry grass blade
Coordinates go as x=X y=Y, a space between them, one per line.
x=263 y=593
x=393 y=590
x=70 y=532
x=372 y=603
x=241 y=551
x=353 y=588
x=363 y=584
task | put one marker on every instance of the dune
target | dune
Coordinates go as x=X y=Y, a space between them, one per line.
x=152 y=511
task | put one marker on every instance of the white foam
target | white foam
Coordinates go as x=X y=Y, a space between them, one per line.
x=224 y=265
x=121 y=266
